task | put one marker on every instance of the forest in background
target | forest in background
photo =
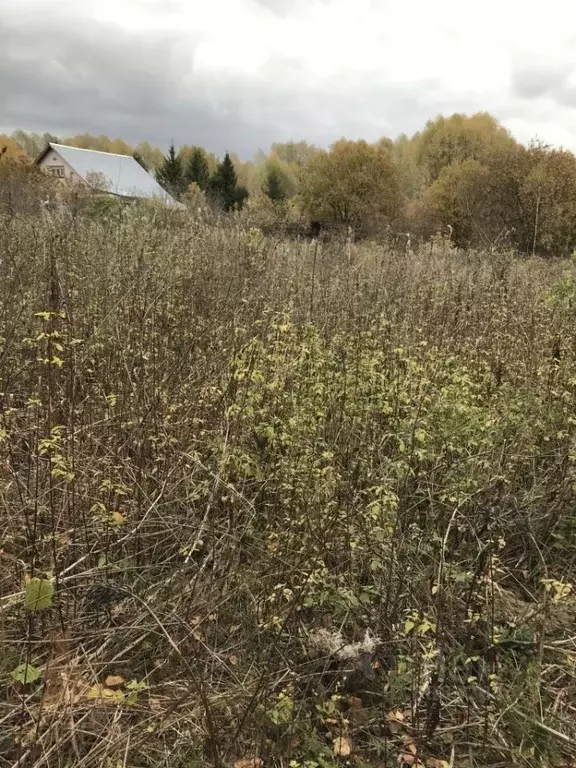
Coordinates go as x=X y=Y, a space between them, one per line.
x=462 y=174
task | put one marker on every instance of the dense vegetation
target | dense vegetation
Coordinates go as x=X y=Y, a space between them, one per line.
x=464 y=174
x=282 y=503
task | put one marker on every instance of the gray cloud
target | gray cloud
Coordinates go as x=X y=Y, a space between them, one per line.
x=545 y=81
x=67 y=73
x=85 y=76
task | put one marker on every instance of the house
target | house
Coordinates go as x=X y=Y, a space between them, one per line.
x=102 y=172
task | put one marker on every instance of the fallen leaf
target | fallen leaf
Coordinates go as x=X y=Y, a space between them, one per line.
x=155 y=704
x=395 y=720
x=355 y=703
x=114 y=680
x=117 y=518
x=233 y=660
x=342 y=747
x=409 y=745
x=255 y=762
x=410 y=756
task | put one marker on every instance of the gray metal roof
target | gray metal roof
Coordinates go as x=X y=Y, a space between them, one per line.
x=121 y=174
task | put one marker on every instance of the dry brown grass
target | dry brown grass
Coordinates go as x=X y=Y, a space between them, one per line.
x=215 y=444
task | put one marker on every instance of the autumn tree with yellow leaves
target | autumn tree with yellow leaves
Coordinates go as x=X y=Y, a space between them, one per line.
x=352 y=184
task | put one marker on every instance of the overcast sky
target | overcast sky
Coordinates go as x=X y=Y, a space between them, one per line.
x=239 y=74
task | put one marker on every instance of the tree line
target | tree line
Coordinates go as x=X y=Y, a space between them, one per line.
x=178 y=174
x=462 y=173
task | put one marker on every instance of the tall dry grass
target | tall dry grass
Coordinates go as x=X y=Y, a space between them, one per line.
x=284 y=502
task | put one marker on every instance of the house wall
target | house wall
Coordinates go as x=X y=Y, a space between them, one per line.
x=53 y=160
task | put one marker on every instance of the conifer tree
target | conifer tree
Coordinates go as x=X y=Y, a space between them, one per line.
x=197 y=170
x=140 y=160
x=224 y=186
x=274 y=185
x=170 y=174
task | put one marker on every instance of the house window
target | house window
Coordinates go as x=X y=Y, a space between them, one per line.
x=56 y=170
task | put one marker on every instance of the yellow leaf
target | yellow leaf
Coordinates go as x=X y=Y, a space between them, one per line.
x=255 y=762
x=114 y=680
x=105 y=694
x=342 y=747
x=117 y=518
x=395 y=721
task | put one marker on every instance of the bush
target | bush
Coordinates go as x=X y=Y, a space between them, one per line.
x=272 y=502
x=22 y=188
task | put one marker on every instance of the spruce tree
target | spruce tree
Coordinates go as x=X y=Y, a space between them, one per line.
x=224 y=186
x=274 y=186
x=140 y=160
x=197 y=171
x=170 y=174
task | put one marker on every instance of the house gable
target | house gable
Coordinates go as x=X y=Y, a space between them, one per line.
x=53 y=164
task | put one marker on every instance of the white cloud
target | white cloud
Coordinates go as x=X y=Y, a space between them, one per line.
x=321 y=68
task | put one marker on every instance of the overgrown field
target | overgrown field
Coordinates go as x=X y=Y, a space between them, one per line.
x=274 y=503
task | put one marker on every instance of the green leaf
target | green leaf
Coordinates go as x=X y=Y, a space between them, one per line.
x=38 y=595
x=25 y=673
x=409 y=626
x=137 y=685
